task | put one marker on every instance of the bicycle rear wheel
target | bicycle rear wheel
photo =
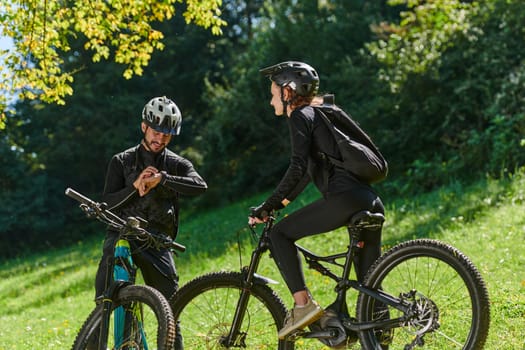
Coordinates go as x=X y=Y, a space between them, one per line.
x=449 y=297
x=149 y=322
x=206 y=306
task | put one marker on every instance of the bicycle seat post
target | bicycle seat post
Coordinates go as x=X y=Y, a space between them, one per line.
x=354 y=235
x=363 y=220
x=353 y=249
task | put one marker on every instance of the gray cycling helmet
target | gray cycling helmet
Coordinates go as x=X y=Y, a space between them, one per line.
x=162 y=115
x=299 y=76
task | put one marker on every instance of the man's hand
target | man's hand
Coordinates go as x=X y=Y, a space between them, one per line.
x=150 y=183
x=149 y=178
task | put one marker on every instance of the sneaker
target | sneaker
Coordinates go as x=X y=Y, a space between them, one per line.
x=300 y=317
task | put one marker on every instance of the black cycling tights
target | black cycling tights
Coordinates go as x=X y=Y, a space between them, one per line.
x=323 y=215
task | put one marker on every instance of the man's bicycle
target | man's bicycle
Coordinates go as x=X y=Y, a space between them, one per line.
x=420 y=293
x=129 y=316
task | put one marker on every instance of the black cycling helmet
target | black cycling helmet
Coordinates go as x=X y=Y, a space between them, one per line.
x=162 y=115
x=299 y=76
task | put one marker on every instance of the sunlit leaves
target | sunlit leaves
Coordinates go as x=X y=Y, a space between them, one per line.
x=205 y=14
x=122 y=31
x=424 y=32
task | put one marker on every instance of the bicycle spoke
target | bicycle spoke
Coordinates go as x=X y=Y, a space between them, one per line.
x=447 y=297
x=141 y=318
x=206 y=309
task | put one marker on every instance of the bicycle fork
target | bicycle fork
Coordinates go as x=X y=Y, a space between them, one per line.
x=235 y=337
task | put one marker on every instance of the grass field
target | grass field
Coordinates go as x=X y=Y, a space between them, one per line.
x=44 y=298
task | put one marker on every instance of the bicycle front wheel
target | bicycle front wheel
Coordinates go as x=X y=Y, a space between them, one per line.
x=448 y=297
x=146 y=319
x=206 y=307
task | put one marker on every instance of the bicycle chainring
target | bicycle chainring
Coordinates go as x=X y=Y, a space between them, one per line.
x=330 y=321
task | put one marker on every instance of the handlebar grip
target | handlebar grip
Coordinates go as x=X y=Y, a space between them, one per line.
x=179 y=247
x=78 y=197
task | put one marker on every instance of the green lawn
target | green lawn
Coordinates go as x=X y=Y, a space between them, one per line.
x=45 y=298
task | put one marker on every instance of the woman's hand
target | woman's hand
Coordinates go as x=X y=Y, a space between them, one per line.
x=254 y=221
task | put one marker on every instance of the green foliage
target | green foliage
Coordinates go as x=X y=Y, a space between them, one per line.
x=243 y=125
x=27 y=193
x=499 y=140
x=463 y=115
x=415 y=45
x=43 y=32
x=456 y=113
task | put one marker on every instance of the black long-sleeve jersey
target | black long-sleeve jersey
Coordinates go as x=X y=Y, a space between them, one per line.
x=159 y=206
x=311 y=141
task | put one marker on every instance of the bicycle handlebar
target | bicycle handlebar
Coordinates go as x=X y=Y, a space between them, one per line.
x=133 y=223
x=97 y=207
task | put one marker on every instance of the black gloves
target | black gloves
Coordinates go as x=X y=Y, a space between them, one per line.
x=264 y=209
x=261 y=211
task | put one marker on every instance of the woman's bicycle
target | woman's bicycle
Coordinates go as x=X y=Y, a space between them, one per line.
x=420 y=293
x=128 y=316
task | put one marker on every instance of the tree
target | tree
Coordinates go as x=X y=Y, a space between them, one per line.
x=457 y=69
x=243 y=128
x=48 y=147
x=426 y=29
x=43 y=31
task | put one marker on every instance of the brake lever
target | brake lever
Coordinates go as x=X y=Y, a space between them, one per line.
x=88 y=210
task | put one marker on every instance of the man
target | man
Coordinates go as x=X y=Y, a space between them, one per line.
x=146 y=181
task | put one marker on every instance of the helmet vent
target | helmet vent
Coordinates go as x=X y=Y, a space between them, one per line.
x=299 y=76
x=163 y=115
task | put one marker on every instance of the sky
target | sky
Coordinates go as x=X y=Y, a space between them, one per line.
x=5 y=43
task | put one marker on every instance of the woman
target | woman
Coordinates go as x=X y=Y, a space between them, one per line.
x=294 y=85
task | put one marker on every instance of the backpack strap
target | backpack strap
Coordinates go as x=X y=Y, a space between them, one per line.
x=359 y=154
x=330 y=127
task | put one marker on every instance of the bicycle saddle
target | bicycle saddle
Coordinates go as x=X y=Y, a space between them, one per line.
x=367 y=220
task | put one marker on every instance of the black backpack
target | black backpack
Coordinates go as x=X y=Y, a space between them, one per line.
x=360 y=155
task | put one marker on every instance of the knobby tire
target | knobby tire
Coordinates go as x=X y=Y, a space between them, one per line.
x=159 y=321
x=206 y=306
x=449 y=288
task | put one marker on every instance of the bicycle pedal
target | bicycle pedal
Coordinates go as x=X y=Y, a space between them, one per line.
x=294 y=335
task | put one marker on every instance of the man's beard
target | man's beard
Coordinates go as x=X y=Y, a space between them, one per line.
x=149 y=144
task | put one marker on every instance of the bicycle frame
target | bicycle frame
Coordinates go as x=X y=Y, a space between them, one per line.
x=421 y=292
x=316 y=262
x=124 y=270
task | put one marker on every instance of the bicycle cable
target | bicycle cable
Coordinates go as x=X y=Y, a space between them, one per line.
x=239 y=248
